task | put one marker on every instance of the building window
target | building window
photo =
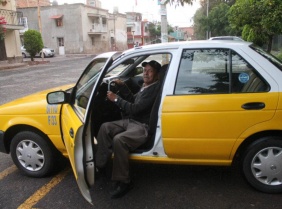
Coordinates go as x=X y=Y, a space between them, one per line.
x=104 y=21
x=93 y=41
x=130 y=41
x=23 y=21
x=61 y=42
x=112 y=40
x=146 y=29
x=59 y=22
x=92 y=3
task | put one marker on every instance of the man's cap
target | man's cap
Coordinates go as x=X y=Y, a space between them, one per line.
x=154 y=64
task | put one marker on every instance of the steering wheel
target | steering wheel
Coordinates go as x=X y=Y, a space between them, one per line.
x=113 y=86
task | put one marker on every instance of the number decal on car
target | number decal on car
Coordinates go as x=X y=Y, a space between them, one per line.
x=52 y=120
x=51 y=111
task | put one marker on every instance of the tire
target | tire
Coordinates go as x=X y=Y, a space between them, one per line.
x=32 y=154
x=262 y=164
x=24 y=55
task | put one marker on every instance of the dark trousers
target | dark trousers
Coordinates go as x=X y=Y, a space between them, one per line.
x=119 y=137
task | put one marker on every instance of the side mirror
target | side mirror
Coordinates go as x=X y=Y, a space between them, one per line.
x=139 y=70
x=57 y=97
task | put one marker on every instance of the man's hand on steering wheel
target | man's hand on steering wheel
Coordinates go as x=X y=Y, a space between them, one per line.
x=115 y=85
x=111 y=96
x=119 y=82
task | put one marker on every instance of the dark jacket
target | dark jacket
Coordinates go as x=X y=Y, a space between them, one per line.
x=142 y=104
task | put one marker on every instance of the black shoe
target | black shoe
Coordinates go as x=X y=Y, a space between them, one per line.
x=121 y=189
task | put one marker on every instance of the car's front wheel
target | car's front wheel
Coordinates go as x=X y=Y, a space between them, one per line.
x=32 y=154
x=262 y=164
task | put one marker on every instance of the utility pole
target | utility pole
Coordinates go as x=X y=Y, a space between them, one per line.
x=163 y=13
x=39 y=25
x=208 y=19
x=39 y=17
x=164 y=35
x=133 y=38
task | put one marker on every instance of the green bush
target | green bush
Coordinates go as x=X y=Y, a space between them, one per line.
x=279 y=56
x=33 y=43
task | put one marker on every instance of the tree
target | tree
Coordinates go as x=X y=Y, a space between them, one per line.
x=260 y=19
x=200 y=24
x=2 y=28
x=155 y=30
x=271 y=20
x=179 y=2
x=218 y=21
x=33 y=43
x=212 y=16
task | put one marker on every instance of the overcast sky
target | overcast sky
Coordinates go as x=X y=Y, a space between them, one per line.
x=176 y=16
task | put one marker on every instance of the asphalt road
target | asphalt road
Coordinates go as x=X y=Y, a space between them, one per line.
x=156 y=186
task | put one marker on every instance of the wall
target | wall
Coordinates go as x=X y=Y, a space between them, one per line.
x=76 y=28
x=71 y=30
x=12 y=38
x=94 y=43
x=32 y=3
x=117 y=29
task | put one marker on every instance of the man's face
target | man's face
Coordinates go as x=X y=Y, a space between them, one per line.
x=150 y=75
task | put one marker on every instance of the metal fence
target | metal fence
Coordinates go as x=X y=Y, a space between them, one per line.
x=277 y=43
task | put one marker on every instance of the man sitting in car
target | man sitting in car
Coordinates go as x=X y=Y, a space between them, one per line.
x=122 y=136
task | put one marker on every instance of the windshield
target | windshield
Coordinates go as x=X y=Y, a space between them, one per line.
x=268 y=56
x=85 y=84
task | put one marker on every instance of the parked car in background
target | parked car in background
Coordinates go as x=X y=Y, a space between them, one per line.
x=47 y=52
x=220 y=103
x=234 y=38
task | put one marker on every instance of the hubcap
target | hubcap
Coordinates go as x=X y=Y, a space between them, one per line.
x=30 y=155
x=267 y=166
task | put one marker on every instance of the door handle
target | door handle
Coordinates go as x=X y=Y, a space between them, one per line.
x=253 y=106
x=71 y=132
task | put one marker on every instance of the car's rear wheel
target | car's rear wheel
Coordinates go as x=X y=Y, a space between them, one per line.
x=262 y=164
x=24 y=55
x=32 y=154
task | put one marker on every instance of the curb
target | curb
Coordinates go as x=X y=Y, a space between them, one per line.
x=4 y=65
x=11 y=66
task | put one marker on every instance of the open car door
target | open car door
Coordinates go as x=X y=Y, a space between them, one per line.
x=76 y=120
x=72 y=128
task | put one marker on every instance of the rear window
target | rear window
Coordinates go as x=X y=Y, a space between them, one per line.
x=275 y=61
x=217 y=71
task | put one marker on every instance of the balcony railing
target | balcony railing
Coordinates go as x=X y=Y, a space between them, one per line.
x=98 y=28
x=13 y=19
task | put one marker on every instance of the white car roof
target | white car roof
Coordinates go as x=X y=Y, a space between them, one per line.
x=200 y=43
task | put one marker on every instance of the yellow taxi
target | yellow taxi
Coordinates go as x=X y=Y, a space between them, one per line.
x=219 y=103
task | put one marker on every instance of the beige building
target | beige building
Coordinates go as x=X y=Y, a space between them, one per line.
x=188 y=33
x=78 y=28
x=32 y=3
x=10 y=46
x=137 y=30
x=117 y=30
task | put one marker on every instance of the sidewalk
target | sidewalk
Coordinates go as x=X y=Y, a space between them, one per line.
x=27 y=61
x=4 y=65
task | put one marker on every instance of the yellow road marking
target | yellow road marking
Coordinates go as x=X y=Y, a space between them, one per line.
x=7 y=171
x=40 y=193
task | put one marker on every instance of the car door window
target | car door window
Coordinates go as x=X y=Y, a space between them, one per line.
x=216 y=71
x=85 y=85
